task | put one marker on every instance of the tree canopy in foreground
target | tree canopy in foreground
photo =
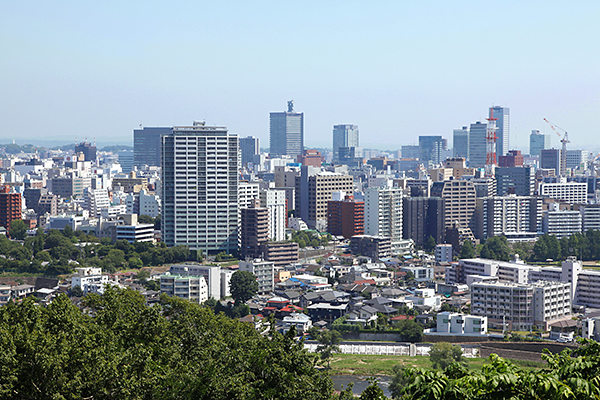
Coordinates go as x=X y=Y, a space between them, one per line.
x=572 y=374
x=120 y=348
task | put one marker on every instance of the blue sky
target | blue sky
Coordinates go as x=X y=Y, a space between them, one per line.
x=397 y=69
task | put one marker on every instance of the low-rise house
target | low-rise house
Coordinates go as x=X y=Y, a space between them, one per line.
x=460 y=324
x=5 y=294
x=363 y=316
x=21 y=291
x=326 y=311
x=301 y=322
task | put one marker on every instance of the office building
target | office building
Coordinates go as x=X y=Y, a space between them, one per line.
x=351 y=156
x=514 y=158
x=550 y=159
x=577 y=159
x=10 y=206
x=125 y=158
x=461 y=142
x=310 y=157
x=249 y=147
x=383 y=212
x=430 y=148
x=443 y=253
x=69 y=186
x=568 y=192
x=88 y=150
x=423 y=217
x=477 y=145
x=264 y=272
x=254 y=229
x=411 y=152
x=200 y=172
x=314 y=189
x=502 y=132
x=515 y=180
x=286 y=132
x=343 y=136
x=147 y=143
x=537 y=142
x=346 y=217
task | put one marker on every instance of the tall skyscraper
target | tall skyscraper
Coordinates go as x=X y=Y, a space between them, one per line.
x=343 y=136
x=146 y=145
x=461 y=143
x=537 y=142
x=477 y=145
x=200 y=188
x=88 y=150
x=431 y=148
x=249 y=147
x=286 y=132
x=503 y=133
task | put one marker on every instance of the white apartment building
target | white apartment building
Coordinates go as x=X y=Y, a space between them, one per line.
x=274 y=200
x=511 y=272
x=561 y=223
x=383 y=212
x=515 y=306
x=150 y=204
x=264 y=271
x=200 y=172
x=189 y=287
x=461 y=324
x=590 y=217
x=569 y=192
x=212 y=276
x=507 y=214
x=91 y=280
x=95 y=200
x=247 y=191
x=426 y=297
x=590 y=328
x=443 y=253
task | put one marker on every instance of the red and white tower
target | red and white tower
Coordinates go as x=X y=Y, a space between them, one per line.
x=490 y=139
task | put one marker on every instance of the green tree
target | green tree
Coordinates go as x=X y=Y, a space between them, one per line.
x=243 y=286
x=442 y=354
x=329 y=343
x=496 y=248
x=18 y=229
x=410 y=330
x=77 y=291
x=430 y=244
x=467 y=250
x=399 y=381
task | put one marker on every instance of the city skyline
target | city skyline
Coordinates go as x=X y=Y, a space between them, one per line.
x=101 y=70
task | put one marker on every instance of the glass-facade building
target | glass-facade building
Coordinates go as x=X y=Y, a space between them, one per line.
x=146 y=145
x=343 y=136
x=286 y=133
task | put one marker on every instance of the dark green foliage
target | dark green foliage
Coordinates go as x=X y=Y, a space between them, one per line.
x=310 y=238
x=18 y=229
x=430 y=245
x=122 y=349
x=467 y=250
x=572 y=374
x=443 y=354
x=329 y=342
x=410 y=330
x=243 y=286
x=496 y=248
x=57 y=248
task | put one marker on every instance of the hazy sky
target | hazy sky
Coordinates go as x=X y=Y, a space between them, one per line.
x=397 y=69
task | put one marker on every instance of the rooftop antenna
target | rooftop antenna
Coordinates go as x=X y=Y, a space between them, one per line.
x=290 y=106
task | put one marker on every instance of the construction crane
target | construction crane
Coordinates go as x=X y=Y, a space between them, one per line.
x=490 y=141
x=564 y=140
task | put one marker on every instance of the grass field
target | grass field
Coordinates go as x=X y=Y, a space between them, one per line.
x=356 y=364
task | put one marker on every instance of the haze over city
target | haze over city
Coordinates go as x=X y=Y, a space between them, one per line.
x=397 y=70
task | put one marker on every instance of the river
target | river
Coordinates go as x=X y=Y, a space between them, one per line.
x=361 y=383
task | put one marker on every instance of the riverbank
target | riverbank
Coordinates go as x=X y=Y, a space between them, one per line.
x=371 y=365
